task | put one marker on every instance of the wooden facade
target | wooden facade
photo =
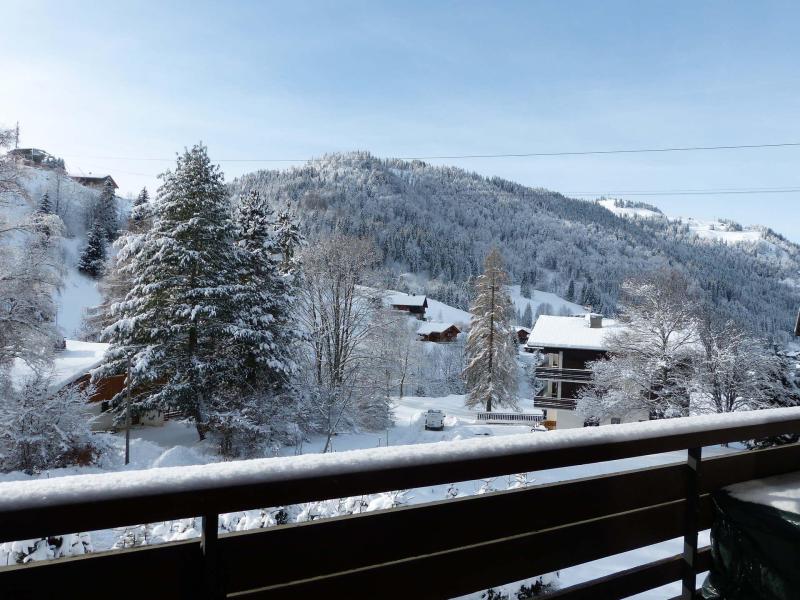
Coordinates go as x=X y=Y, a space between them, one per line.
x=414 y=305
x=445 y=335
x=522 y=334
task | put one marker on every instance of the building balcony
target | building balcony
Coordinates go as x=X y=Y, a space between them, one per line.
x=548 y=402
x=434 y=550
x=566 y=375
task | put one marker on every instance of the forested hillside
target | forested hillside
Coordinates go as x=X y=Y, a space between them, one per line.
x=441 y=222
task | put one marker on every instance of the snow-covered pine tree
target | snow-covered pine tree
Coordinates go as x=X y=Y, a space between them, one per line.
x=525 y=285
x=179 y=317
x=45 y=207
x=491 y=371
x=139 y=218
x=105 y=213
x=288 y=239
x=116 y=282
x=570 y=295
x=527 y=316
x=93 y=256
x=262 y=336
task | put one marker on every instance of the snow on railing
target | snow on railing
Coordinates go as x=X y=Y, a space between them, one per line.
x=93 y=488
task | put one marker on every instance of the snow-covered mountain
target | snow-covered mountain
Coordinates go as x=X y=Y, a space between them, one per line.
x=439 y=222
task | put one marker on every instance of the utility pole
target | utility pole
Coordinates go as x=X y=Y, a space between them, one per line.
x=128 y=415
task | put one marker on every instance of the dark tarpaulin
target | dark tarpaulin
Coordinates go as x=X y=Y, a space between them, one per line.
x=756 y=552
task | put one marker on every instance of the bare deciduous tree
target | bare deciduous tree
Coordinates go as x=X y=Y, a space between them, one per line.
x=338 y=311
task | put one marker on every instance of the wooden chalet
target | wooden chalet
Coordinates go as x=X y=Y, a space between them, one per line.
x=411 y=303
x=95 y=181
x=438 y=332
x=567 y=345
x=523 y=333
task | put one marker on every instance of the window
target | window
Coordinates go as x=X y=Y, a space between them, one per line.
x=616 y=420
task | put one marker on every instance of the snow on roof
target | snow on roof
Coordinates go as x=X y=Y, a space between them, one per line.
x=427 y=328
x=570 y=332
x=519 y=328
x=41 y=493
x=407 y=299
x=68 y=365
x=781 y=492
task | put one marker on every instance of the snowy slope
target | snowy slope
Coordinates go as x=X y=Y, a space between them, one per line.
x=442 y=313
x=78 y=291
x=621 y=211
x=70 y=201
x=538 y=298
x=720 y=231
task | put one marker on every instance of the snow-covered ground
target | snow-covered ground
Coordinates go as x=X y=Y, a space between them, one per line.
x=78 y=292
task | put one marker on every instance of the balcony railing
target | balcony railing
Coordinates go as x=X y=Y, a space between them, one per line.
x=435 y=550
x=571 y=375
x=548 y=402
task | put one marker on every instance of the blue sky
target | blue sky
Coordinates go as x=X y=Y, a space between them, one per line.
x=297 y=79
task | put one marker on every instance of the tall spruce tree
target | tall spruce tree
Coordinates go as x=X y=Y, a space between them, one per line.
x=106 y=212
x=264 y=297
x=491 y=372
x=45 y=207
x=570 y=295
x=288 y=239
x=93 y=257
x=140 y=212
x=179 y=316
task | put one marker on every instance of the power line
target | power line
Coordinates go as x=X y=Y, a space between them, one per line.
x=465 y=156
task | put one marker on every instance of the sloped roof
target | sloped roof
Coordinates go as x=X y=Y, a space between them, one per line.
x=407 y=300
x=90 y=178
x=68 y=365
x=570 y=332
x=428 y=328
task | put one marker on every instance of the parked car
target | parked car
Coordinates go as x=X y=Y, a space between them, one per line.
x=434 y=420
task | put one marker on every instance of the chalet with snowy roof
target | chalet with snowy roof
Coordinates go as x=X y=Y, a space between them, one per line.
x=567 y=345
x=95 y=181
x=72 y=367
x=411 y=303
x=523 y=333
x=441 y=333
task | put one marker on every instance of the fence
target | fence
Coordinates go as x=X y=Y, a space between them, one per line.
x=435 y=550
x=499 y=418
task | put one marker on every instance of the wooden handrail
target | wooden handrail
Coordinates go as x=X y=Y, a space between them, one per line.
x=623 y=505
x=359 y=472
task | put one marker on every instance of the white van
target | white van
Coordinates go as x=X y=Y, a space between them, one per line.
x=434 y=420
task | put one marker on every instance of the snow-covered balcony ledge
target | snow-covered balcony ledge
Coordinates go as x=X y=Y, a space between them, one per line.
x=431 y=549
